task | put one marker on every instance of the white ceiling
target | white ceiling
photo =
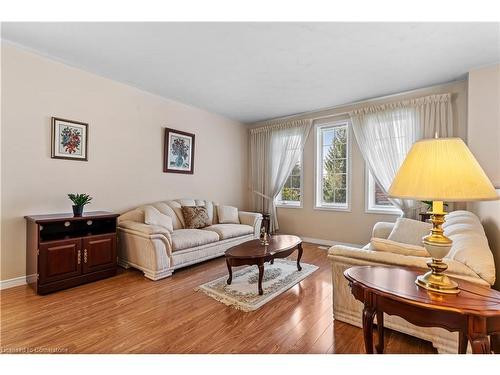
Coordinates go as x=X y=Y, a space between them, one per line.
x=255 y=71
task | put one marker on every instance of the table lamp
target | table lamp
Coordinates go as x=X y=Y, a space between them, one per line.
x=437 y=170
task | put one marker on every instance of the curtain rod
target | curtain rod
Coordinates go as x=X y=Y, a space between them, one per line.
x=310 y=114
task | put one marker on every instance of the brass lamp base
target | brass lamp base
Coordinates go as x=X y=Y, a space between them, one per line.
x=435 y=280
x=438 y=246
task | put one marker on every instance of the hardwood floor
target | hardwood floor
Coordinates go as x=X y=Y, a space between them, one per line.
x=130 y=314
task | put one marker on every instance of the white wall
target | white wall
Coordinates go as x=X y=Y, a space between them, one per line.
x=484 y=142
x=125 y=147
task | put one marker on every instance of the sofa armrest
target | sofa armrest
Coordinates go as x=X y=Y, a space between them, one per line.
x=249 y=218
x=382 y=229
x=380 y=257
x=253 y=219
x=146 y=247
x=144 y=230
x=353 y=256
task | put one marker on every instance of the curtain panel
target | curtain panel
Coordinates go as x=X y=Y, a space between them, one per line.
x=385 y=134
x=274 y=150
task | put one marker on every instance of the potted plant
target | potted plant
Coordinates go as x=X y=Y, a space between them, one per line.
x=79 y=200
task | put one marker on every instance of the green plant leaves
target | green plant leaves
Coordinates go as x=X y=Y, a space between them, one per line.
x=80 y=199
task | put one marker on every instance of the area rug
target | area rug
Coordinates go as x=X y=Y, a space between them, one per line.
x=242 y=294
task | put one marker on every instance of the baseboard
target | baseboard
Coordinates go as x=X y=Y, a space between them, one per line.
x=16 y=281
x=329 y=242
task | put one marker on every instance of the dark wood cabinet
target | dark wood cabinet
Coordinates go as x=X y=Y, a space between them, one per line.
x=64 y=251
x=99 y=253
x=59 y=260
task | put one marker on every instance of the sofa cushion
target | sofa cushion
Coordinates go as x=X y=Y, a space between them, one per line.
x=167 y=210
x=154 y=217
x=381 y=244
x=187 y=238
x=210 y=209
x=226 y=231
x=177 y=208
x=409 y=231
x=470 y=244
x=195 y=217
x=228 y=215
x=186 y=202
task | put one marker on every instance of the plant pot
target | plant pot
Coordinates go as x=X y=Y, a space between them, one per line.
x=77 y=210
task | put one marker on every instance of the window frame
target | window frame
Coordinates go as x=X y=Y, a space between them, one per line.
x=294 y=204
x=318 y=163
x=370 y=206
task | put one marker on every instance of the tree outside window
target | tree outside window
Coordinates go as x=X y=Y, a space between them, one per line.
x=333 y=166
x=291 y=194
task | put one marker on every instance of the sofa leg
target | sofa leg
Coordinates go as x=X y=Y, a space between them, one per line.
x=157 y=275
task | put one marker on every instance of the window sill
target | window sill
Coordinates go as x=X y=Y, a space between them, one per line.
x=288 y=205
x=326 y=208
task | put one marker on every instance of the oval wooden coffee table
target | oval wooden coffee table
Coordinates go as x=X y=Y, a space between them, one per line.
x=253 y=253
x=474 y=312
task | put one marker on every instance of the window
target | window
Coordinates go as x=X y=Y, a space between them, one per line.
x=376 y=200
x=291 y=194
x=332 y=166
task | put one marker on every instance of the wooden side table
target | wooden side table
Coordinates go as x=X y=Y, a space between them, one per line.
x=424 y=216
x=474 y=312
x=266 y=222
x=64 y=250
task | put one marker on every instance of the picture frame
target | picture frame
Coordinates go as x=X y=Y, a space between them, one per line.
x=69 y=139
x=178 y=152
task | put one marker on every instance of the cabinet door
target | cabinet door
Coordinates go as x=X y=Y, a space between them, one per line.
x=59 y=260
x=99 y=252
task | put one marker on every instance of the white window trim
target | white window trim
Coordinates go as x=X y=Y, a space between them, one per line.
x=294 y=204
x=289 y=204
x=318 y=172
x=376 y=209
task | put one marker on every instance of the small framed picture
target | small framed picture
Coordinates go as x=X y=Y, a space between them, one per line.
x=69 y=139
x=178 y=152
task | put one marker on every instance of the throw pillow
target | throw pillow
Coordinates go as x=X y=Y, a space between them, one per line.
x=381 y=244
x=409 y=231
x=228 y=215
x=154 y=217
x=195 y=217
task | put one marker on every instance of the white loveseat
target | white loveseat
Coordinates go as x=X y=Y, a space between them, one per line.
x=470 y=259
x=158 y=252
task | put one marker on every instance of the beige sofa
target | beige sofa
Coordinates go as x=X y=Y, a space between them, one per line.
x=158 y=252
x=470 y=259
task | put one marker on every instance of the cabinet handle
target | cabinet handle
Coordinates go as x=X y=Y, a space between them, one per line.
x=79 y=256
x=85 y=256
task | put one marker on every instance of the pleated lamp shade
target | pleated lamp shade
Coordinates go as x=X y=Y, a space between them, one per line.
x=441 y=169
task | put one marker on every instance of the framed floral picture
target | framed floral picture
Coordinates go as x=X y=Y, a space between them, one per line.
x=178 y=152
x=69 y=139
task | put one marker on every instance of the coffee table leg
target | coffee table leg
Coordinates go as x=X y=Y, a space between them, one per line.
x=380 y=329
x=462 y=343
x=480 y=344
x=299 y=248
x=261 y=276
x=495 y=343
x=230 y=279
x=368 y=314
x=478 y=335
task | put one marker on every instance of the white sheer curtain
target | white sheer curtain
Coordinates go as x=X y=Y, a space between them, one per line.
x=274 y=150
x=385 y=134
